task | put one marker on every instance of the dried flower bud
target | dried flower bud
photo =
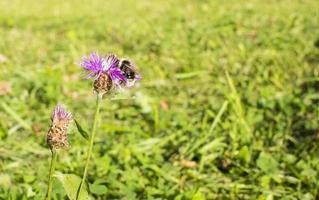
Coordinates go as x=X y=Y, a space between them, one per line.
x=57 y=135
x=103 y=83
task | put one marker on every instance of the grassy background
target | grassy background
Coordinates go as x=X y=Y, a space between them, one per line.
x=227 y=107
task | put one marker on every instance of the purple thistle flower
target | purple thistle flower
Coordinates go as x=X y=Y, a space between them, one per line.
x=104 y=68
x=109 y=71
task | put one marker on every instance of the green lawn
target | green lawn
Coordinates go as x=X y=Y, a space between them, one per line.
x=228 y=107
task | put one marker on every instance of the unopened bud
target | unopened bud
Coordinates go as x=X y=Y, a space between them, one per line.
x=57 y=135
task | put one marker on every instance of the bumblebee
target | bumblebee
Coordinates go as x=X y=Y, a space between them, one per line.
x=128 y=69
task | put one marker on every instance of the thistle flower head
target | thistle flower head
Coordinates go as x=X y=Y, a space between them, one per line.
x=104 y=70
x=109 y=71
x=57 y=134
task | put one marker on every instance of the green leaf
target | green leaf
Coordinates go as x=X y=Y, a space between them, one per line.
x=267 y=163
x=16 y=116
x=98 y=189
x=28 y=178
x=244 y=154
x=71 y=183
x=81 y=130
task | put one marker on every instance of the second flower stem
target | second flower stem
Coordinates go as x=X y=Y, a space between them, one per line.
x=52 y=169
x=96 y=116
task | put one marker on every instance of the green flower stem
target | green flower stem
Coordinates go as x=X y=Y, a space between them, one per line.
x=52 y=169
x=96 y=116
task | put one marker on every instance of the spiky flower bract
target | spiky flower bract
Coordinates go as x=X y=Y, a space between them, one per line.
x=57 y=134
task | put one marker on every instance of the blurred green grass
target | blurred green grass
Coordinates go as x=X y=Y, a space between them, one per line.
x=227 y=107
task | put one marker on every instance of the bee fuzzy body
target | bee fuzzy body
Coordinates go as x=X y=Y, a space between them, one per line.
x=128 y=69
